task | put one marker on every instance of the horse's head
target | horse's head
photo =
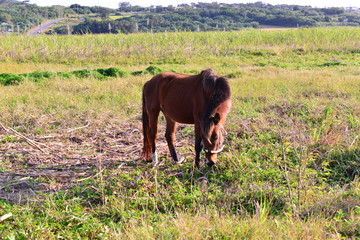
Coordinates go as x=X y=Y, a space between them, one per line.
x=213 y=138
x=217 y=90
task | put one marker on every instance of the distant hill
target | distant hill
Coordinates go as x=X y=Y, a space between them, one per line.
x=19 y=16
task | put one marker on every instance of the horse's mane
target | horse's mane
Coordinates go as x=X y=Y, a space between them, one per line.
x=208 y=80
x=219 y=89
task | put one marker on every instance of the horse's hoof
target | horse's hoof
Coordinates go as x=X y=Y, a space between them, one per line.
x=157 y=163
x=181 y=161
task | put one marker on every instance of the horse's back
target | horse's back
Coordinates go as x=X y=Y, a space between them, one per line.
x=174 y=93
x=168 y=81
x=167 y=76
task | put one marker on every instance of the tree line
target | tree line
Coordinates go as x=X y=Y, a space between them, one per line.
x=215 y=17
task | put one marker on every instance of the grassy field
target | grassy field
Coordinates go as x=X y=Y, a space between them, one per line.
x=69 y=153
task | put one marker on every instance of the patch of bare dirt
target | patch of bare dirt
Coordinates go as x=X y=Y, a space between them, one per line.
x=64 y=158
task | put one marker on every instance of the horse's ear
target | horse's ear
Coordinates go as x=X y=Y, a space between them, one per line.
x=216 y=118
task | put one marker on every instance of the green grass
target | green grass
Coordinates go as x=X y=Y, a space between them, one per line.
x=290 y=168
x=292 y=48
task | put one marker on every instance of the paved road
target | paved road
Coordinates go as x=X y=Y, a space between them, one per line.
x=42 y=27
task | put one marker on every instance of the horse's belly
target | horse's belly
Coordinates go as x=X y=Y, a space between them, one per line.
x=179 y=114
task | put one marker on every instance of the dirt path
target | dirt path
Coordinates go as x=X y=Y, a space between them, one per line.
x=274 y=28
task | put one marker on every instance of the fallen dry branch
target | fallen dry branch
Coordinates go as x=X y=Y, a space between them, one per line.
x=29 y=141
x=6 y=216
x=97 y=174
x=78 y=128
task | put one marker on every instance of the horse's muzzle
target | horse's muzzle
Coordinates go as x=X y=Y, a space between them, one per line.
x=214 y=151
x=211 y=155
x=209 y=163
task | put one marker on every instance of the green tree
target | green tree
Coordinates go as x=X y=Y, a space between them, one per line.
x=104 y=13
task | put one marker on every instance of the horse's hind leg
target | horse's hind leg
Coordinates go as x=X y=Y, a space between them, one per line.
x=153 y=121
x=170 y=137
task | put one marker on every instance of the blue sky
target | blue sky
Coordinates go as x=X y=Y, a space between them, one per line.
x=114 y=4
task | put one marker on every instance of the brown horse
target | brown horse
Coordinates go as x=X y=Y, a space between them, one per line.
x=202 y=100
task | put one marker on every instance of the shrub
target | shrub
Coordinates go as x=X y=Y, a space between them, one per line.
x=64 y=74
x=7 y=79
x=82 y=73
x=112 y=72
x=154 y=70
x=39 y=76
x=85 y=73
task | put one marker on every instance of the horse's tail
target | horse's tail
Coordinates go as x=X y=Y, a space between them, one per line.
x=146 y=152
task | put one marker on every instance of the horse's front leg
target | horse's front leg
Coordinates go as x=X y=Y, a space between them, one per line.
x=198 y=146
